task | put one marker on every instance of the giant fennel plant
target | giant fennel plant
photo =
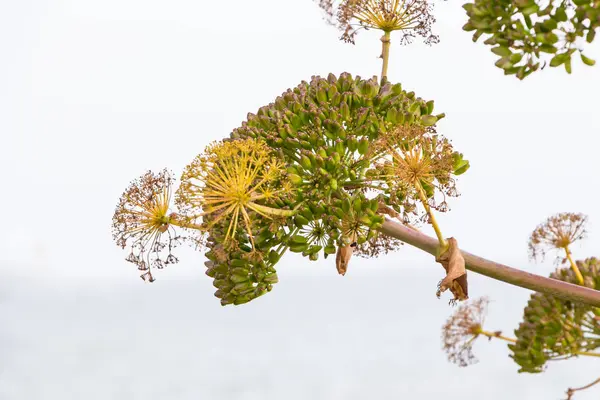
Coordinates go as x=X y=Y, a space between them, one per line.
x=342 y=165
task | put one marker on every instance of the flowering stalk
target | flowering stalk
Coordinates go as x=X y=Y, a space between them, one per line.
x=574 y=266
x=385 y=54
x=498 y=335
x=434 y=224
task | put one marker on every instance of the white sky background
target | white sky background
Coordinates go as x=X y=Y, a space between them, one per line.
x=94 y=93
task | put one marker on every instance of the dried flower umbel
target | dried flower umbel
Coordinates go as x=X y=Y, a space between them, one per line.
x=410 y=17
x=462 y=328
x=558 y=233
x=142 y=221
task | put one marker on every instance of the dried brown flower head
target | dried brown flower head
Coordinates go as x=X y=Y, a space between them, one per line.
x=461 y=330
x=557 y=233
x=143 y=222
x=411 y=17
x=378 y=245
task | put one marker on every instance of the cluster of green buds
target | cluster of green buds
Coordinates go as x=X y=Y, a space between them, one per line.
x=343 y=140
x=526 y=34
x=309 y=173
x=556 y=329
x=243 y=273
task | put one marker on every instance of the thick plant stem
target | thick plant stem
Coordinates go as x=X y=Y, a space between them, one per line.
x=553 y=287
x=385 y=54
x=574 y=266
x=434 y=224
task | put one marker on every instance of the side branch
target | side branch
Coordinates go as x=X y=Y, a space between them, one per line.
x=559 y=289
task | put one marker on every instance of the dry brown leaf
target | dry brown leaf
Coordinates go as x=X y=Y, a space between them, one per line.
x=342 y=258
x=456 y=273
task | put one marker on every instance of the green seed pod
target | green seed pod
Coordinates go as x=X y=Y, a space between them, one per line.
x=220 y=283
x=296 y=179
x=238 y=263
x=429 y=106
x=274 y=257
x=298 y=239
x=245 y=248
x=344 y=111
x=363 y=145
x=322 y=96
x=211 y=272
x=365 y=220
x=374 y=205
x=352 y=143
x=333 y=183
x=271 y=278
x=357 y=204
x=372 y=234
x=313 y=160
x=228 y=299
x=428 y=120
x=298 y=248
x=336 y=158
x=300 y=221
x=305 y=162
x=391 y=115
x=331 y=92
x=243 y=286
x=241 y=271
x=306 y=213
x=337 y=212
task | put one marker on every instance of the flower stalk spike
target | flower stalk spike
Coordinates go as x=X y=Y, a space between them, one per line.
x=385 y=55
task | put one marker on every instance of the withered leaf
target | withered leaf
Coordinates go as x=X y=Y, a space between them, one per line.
x=342 y=258
x=456 y=273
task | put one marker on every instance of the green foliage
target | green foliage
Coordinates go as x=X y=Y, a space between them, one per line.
x=527 y=34
x=556 y=329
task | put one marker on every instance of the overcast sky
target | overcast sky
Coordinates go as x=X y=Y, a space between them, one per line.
x=94 y=93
